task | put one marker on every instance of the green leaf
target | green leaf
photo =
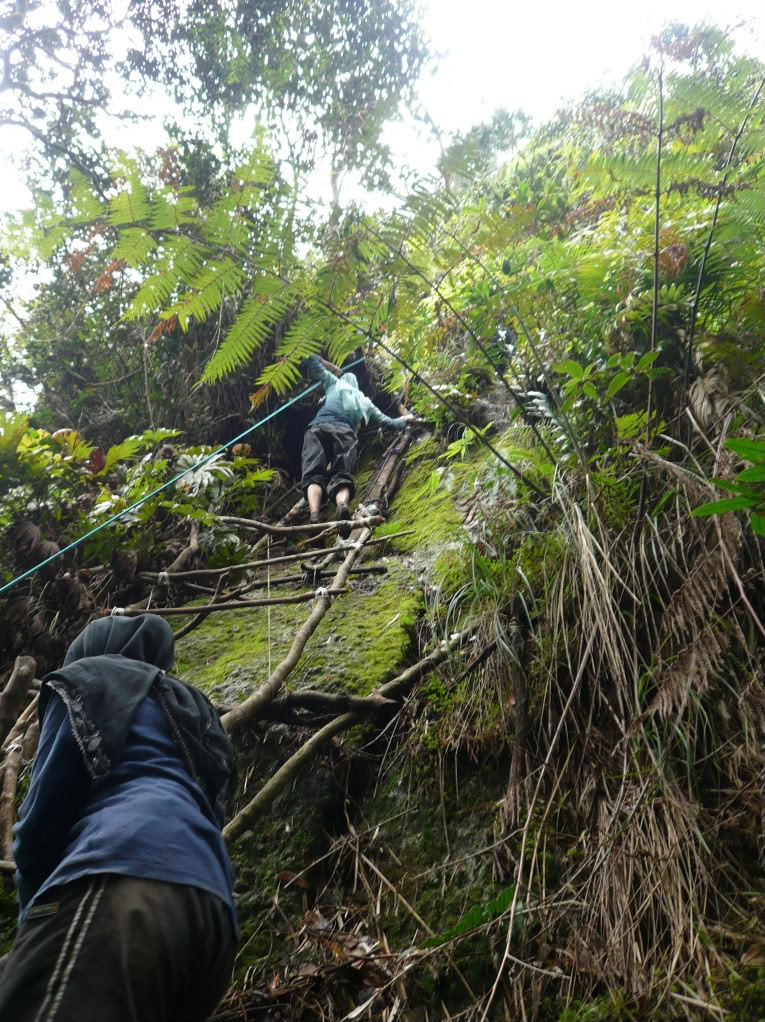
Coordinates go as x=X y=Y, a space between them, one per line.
x=614 y=361
x=589 y=389
x=135 y=246
x=719 y=507
x=628 y=426
x=617 y=383
x=570 y=367
x=749 y=450
x=477 y=916
x=646 y=361
x=269 y=303
x=758 y=523
x=755 y=474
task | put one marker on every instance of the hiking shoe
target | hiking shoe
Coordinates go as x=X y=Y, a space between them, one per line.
x=315 y=518
x=342 y=514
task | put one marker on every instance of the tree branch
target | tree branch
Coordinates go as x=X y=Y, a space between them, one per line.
x=288 y=770
x=153 y=576
x=235 y=605
x=15 y=692
x=246 y=711
x=281 y=530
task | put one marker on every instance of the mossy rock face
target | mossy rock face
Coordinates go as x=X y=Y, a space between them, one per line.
x=363 y=640
x=429 y=511
x=415 y=814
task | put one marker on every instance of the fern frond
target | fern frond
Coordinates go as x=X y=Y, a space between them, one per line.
x=209 y=287
x=169 y=212
x=180 y=260
x=269 y=303
x=135 y=246
x=301 y=340
x=132 y=205
x=86 y=206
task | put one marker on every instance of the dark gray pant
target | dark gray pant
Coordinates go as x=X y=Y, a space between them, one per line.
x=329 y=457
x=119 y=949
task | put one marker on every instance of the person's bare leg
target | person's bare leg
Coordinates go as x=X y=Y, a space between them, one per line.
x=342 y=513
x=313 y=495
x=342 y=496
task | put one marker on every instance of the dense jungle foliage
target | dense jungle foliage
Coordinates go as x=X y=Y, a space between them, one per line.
x=577 y=312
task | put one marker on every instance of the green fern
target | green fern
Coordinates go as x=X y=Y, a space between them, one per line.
x=209 y=287
x=86 y=207
x=131 y=205
x=268 y=304
x=135 y=246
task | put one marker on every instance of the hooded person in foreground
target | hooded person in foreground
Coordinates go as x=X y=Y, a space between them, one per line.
x=125 y=886
x=330 y=444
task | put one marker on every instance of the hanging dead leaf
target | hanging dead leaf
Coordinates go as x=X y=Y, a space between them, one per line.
x=164 y=326
x=241 y=450
x=673 y=259
x=45 y=550
x=104 y=281
x=17 y=610
x=74 y=261
x=96 y=461
x=259 y=396
x=287 y=877
x=71 y=595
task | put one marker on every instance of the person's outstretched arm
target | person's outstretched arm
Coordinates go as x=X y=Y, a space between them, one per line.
x=318 y=372
x=375 y=415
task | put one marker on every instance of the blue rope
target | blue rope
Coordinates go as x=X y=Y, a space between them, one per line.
x=164 y=486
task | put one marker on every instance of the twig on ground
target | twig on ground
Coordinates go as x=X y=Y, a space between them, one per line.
x=286 y=530
x=191 y=625
x=245 y=711
x=153 y=576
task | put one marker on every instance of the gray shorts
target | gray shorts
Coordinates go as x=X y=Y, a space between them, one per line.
x=329 y=457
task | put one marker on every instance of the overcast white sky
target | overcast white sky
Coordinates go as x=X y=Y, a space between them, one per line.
x=503 y=53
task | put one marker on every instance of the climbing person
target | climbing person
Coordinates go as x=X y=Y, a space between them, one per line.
x=330 y=443
x=125 y=886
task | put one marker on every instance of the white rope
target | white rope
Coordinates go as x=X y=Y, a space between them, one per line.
x=118 y=612
x=320 y=593
x=163 y=578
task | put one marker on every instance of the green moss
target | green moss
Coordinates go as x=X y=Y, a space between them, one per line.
x=412 y=827
x=363 y=640
x=417 y=506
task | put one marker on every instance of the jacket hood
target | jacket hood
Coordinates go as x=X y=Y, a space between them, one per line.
x=148 y=639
